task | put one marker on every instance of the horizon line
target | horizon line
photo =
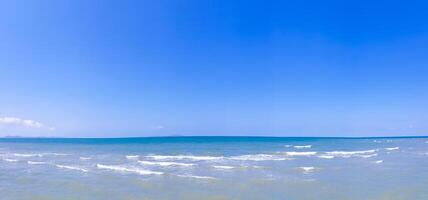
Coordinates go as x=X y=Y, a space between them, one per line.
x=216 y=136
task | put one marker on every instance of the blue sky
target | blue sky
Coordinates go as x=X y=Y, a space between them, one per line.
x=152 y=68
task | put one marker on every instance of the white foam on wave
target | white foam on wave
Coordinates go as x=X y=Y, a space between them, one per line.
x=303 y=147
x=55 y=154
x=326 y=156
x=259 y=157
x=378 y=161
x=35 y=163
x=166 y=164
x=367 y=156
x=304 y=153
x=10 y=160
x=288 y=145
x=197 y=177
x=184 y=157
x=306 y=169
x=27 y=155
x=128 y=169
x=223 y=167
x=71 y=168
x=132 y=157
x=392 y=148
x=85 y=158
x=347 y=154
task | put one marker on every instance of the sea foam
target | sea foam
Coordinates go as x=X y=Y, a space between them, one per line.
x=304 y=153
x=367 y=156
x=306 y=169
x=27 y=155
x=303 y=147
x=71 y=168
x=223 y=167
x=347 y=154
x=326 y=156
x=55 y=154
x=35 y=163
x=132 y=157
x=166 y=164
x=197 y=177
x=259 y=157
x=183 y=157
x=10 y=160
x=128 y=169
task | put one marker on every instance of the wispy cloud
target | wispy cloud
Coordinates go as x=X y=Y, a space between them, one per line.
x=14 y=121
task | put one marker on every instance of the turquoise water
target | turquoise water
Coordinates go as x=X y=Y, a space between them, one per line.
x=214 y=168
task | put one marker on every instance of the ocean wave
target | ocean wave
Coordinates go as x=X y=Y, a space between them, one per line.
x=288 y=145
x=378 y=161
x=307 y=170
x=129 y=170
x=55 y=154
x=367 y=156
x=303 y=147
x=259 y=157
x=166 y=164
x=326 y=156
x=304 y=153
x=347 y=154
x=392 y=148
x=10 y=160
x=197 y=177
x=223 y=167
x=184 y=157
x=132 y=157
x=35 y=163
x=85 y=158
x=27 y=155
x=71 y=168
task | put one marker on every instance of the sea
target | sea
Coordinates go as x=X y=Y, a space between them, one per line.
x=214 y=168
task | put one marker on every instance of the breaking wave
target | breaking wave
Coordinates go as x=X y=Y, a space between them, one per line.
x=197 y=177
x=305 y=153
x=347 y=154
x=306 y=170
x=166 y=164
x=132 y=157
x=27 y=155
x=71 y=168
x=223 y=167
x=10 y=160
x=303 y=147
x=259 y=157
x=184 y=157
x=128 y=169
x=35 y=163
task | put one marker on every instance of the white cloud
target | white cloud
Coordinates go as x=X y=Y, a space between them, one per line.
x=14 y=121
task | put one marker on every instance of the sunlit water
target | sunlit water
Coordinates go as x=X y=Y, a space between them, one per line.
x=214 y=168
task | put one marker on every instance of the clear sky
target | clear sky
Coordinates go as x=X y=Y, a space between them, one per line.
x=150 y=68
